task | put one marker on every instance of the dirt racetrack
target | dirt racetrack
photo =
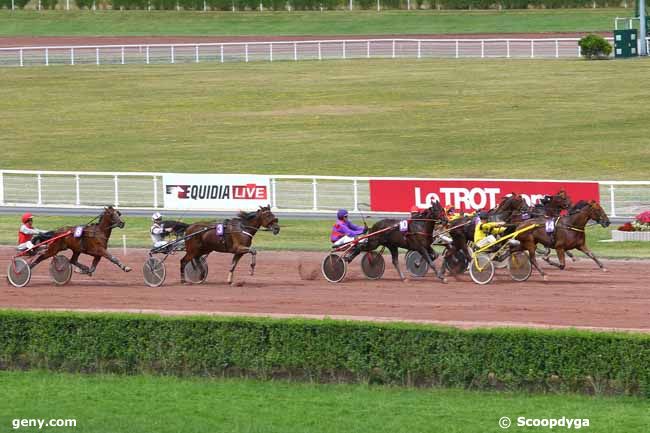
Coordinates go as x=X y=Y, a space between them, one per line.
x=581 y=296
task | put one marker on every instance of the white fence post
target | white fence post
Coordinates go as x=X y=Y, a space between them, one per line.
x=172 y=54
x=72 y=56
x=196 y=54
x=21 y=56
x=97 y=56
x=557 y=49
x=419 y=49
x=2 y=189
x=47 y=56
x=482 y=49
x=368 y=49
x=39 y=188
x=355 y=186
x=117 y=194
x=612 y=203
x=271 y=51
x=320 y=54
x=532 y=49
x=246 y=52
x=393 y=56
x=314 y=186
x=77 y=190
x=221 y=53
x=343 y=49
x=274 y=203
x=295 y=52
x=122 y=55
x=155 y=191
x=457 y=48
x=508 y=48
x=147 y=54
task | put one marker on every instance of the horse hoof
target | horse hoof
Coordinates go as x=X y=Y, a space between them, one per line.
x=545 y=278
x=443 y=280
x=127 y=269
x=605 y=270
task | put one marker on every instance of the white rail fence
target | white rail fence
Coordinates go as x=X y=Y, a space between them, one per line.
x=290 y=51
x=300 y=193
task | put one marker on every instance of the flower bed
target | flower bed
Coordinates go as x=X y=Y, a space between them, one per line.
x=637 y=230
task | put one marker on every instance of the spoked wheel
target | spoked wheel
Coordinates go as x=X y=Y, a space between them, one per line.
x=19 y=272
x=334 y=268
x=197 y=274
x=373 y=265
x=481 y=269
x=154 y=272
x=519 y=266
x=416 y=265
x=60 y=270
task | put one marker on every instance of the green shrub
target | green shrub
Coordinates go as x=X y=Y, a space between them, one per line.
x=594 y=47
x=404 y=354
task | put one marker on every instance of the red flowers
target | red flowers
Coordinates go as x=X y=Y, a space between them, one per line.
x=627 y=227
x=643 y=217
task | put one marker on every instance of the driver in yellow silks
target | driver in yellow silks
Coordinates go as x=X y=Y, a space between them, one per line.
x=485 y=233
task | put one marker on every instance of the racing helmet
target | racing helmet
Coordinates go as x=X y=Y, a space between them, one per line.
x=483 y=215
x=450 y=210
x=26 y=217
x=157 y=216
x=342 y=213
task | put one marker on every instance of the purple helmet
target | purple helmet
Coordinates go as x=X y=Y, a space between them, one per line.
x=342 y=213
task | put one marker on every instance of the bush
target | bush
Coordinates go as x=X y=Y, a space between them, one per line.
x=403 y=354
x=594 y=47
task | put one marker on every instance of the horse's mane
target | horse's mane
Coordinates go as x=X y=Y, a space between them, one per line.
x=579 y=205
x=246 y=215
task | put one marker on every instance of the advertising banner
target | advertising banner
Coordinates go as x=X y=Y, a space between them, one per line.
x=468 y=195
x=216 y=191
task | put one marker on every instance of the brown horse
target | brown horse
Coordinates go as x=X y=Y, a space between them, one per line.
x=569 y=233
x=418 y=236
x=93 y=242
x=237 y=238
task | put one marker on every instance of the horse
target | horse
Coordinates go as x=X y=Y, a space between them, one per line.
x=569 y=233
x=237 y=238
x=418 y=237
x=93 y=242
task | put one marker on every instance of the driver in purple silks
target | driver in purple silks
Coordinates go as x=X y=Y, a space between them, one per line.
x=344 y=231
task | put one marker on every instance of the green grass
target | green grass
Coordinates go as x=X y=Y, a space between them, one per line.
x=431 y=118
x=109 y=23
x=165 y=404
x=296 y=235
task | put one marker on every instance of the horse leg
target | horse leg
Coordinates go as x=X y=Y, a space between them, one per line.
x=531 y=256
x=186 y=258
x=115 y=261
x=74 y=260
x=235 y=260
x=93 y=266
x=430 y=260
x=253 y=253
x=591 y=255
x=570 y=254
x=394 y=252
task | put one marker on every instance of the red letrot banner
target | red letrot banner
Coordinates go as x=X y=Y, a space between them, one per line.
x=399 y=195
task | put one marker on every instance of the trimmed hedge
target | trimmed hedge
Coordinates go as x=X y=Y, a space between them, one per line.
x=279 y=5
x=404 y=354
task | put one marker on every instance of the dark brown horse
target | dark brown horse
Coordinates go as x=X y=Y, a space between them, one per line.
x=93 y=242
x=236 y=239
x=418 y=236
x=569 y=233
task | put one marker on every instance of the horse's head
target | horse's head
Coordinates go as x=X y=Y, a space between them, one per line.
x=597 y=213
x=437 y=212
x=267 y=219
x=112 y=217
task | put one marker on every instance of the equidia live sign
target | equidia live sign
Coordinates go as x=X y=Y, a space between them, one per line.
x=205 y=191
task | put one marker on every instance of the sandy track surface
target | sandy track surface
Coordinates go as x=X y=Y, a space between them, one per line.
x=581 y=296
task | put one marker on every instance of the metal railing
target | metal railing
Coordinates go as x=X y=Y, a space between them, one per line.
x=299 y=193
x=289 y=51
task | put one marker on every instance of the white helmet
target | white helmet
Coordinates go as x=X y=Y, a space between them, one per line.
x=156 y=216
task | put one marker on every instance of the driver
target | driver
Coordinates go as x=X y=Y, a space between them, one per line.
x=485 y=232
x=343 y=230
x=27 y=232
x=158 y=231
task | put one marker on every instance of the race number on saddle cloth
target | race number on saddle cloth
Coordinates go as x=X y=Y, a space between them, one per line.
x=343 y=231
x=550 y=225
x=27 y=232
x=219 y=230
x=78 y=231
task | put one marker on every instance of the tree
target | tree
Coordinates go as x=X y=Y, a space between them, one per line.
x=594 y=47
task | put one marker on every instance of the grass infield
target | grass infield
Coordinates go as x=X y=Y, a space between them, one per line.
x=306 y=235
x=429 y=118
x=117 y=404
x=111 y=23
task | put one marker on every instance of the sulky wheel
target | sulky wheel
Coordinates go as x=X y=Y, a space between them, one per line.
x=373 y=265
x=19 y=272
x=416 y=265
x=154 y=272
x=334 y=268
x=519 y=266
x=481 y=269
x=60 y=270
x=196 y=274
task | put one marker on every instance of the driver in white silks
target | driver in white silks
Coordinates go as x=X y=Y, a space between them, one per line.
x=158 y=231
